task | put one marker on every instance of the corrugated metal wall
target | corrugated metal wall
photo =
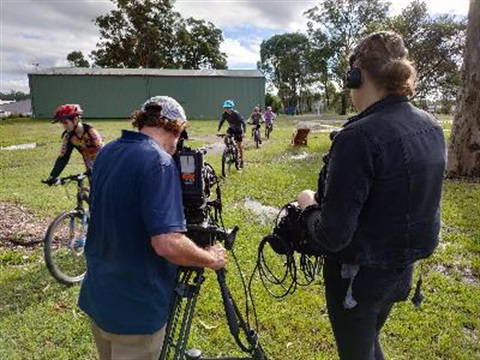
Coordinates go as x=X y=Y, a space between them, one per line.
x=110 y=96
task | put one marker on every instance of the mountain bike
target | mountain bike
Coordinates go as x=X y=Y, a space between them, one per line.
x=268 y=129
x=229 y=155
x=256 y=136
x=65 y=238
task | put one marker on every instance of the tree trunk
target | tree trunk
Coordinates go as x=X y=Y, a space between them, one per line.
x=464 y=149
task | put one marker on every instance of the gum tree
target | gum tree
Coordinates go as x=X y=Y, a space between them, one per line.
x=150 y=34
x=464 y=148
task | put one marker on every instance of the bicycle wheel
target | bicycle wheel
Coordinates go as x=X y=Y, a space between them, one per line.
x=267 y=132
x=64 y=247
x=225 y=165
x=235 y=159
x=257 y=138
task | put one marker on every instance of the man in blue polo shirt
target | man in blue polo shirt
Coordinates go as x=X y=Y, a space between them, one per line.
x=135 y=238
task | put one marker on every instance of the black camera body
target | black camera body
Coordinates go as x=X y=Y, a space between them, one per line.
x=201 y=198
x=197 y=180
x=290 y=234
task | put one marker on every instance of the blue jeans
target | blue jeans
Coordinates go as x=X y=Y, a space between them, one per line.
x=375 y=290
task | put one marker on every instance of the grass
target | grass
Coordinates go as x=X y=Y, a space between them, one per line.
x=39 y=318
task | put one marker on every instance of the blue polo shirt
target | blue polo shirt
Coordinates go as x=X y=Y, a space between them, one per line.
x=136 y=194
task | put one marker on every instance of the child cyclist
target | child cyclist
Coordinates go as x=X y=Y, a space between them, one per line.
x=78 y=135
x=256 y=119
x=269 y=116
x=236 y=126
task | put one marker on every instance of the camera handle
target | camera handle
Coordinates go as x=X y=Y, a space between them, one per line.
x=188 y=284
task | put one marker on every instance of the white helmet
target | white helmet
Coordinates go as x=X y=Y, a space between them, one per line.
x=170 y=108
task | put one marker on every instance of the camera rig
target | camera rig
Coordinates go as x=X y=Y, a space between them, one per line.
x=203 y=211
x=301 y=260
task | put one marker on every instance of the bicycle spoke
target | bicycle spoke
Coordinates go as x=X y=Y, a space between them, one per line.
x=64 y=247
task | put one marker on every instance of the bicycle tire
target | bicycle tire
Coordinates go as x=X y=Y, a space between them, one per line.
x=64 y=247
x=235 y=159
x=267 y=132
x=224 y=163
x=256 y=137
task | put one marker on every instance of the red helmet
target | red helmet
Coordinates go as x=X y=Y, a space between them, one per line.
x=67 y=111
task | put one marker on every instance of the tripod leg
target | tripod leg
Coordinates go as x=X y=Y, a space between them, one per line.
x=183 y=289
x=236 y=321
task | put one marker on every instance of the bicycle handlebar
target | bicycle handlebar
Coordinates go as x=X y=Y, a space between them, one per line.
x=64 y=180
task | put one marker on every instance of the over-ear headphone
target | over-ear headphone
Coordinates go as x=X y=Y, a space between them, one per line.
x=353 y=78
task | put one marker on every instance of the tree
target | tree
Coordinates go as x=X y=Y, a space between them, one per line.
x=199 y=44
x=435 y=46
x=464 y=149
x=150 y=34
x=273 y=101
x=336 y=25
x=77 y=59
x=283 y=59
x=14 y=95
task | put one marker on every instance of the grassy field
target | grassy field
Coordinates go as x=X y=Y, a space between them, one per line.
x=39 y=318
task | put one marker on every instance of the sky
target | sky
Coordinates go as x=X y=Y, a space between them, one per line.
x=39 y=34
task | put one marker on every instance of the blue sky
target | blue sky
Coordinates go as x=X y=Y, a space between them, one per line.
x=44 y=32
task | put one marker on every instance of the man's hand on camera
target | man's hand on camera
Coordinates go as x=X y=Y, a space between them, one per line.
x=219 y=254
x=306 y=198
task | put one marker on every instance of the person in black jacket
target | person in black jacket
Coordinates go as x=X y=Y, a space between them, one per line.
x=236 y=126
x=377 y=208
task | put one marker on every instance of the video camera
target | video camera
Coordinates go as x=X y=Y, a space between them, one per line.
x=290 y=233
x=201 y=195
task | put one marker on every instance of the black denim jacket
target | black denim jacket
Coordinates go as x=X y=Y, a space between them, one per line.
x=380 y=189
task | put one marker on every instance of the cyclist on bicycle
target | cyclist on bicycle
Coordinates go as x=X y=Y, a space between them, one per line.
x=256 y=119
x=269 y=116
x=236 y=126
x=78 y=135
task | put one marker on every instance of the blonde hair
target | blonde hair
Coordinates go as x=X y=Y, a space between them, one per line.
x=384 y=57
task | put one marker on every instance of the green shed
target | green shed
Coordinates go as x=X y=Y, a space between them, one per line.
x=116 y=93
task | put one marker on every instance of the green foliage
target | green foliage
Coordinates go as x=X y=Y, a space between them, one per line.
x=150 y=34
x=284 y=60
x=199 y=44
x=14 y=95
x=39 y=318
x=274 y=101
x=435 y=45
x=76 y=59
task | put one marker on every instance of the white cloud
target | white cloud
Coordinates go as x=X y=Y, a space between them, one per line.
x=46 y=31
x=238 y=55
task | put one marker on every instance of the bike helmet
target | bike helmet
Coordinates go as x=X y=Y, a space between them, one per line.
x=169 y=108
x=67 y=111
x=228 y=104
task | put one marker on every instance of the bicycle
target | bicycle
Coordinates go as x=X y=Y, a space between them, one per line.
x=268 y=129
x=229 y=155
x=256 y=136
x=65 y=238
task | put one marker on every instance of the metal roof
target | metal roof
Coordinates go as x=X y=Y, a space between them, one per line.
x=148 y=72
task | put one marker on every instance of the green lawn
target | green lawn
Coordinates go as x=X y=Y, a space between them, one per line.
x=39 y=318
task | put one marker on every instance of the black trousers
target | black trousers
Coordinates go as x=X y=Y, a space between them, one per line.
x=357 y=330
